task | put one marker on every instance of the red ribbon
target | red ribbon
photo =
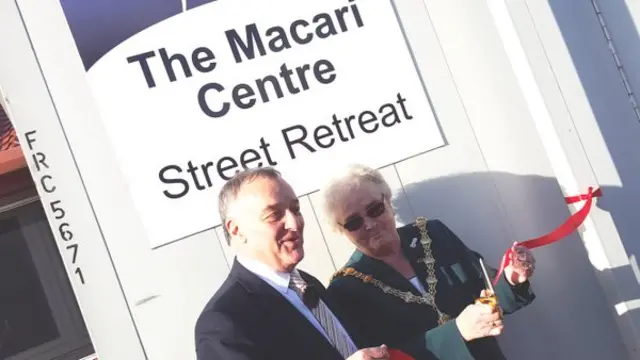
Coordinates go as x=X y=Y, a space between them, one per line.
x=569 y=226
x=395 y=354
x=562 y=231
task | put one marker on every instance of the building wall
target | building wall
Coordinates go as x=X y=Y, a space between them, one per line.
x=496 y=181
x=492 y=184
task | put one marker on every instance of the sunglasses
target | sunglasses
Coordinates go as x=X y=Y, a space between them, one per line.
x=373 y=211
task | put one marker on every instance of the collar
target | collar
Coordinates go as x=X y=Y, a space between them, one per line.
x=278 y=280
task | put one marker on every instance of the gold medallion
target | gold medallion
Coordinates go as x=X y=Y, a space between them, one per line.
x=431 y=280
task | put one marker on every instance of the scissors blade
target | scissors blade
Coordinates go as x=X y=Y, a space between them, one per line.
x=487 y=280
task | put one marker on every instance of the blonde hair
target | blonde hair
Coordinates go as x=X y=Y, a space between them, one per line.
x=343 y=181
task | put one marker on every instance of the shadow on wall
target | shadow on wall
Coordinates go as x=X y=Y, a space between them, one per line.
x=603 y=86
x=618 y=125
x=570 y=318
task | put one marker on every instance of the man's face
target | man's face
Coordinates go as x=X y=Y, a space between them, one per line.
x=266 y=220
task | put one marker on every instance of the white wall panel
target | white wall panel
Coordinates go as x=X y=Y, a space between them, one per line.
x=190 y=271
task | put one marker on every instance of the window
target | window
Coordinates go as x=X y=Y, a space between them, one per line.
x=39 y=316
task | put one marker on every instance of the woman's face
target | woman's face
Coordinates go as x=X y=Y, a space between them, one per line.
x=367 y=219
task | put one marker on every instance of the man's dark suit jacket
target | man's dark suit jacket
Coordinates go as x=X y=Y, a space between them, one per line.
x=379 y=318
x=247 y=319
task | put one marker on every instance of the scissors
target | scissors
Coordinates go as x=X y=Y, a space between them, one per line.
x=490 y=297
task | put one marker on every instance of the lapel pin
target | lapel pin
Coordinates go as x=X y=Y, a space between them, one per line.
x=414 y=242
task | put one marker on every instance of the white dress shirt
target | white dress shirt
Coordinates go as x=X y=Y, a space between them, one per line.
x=416 y=283
x=280 y=282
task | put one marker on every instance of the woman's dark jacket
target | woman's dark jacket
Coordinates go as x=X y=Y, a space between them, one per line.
x=375 y=317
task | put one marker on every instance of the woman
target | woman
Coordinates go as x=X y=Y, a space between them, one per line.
x=385 y=290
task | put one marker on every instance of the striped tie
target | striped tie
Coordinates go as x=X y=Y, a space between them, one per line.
x=321 y=312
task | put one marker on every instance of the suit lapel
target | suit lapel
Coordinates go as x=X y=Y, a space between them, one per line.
x=282 y=313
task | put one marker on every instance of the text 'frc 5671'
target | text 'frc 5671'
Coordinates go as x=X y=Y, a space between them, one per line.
x=58 y=220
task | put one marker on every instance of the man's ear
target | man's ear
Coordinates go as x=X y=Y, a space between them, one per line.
x=232 y=228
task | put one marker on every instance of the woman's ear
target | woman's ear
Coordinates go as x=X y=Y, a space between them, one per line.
x=336 y=228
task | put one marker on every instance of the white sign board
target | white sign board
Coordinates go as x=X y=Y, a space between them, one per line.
x=196 y=96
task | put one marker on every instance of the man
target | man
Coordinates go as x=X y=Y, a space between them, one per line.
x=266 y=308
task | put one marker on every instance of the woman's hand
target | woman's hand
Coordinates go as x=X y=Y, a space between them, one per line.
x=522 y=266
x=478 y=321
